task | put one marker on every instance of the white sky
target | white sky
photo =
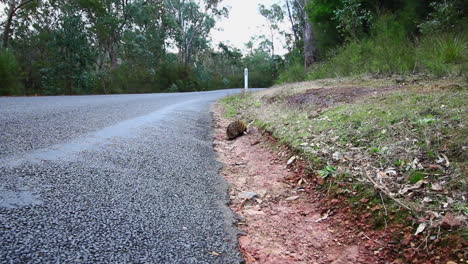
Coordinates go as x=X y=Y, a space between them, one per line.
x=245 y=21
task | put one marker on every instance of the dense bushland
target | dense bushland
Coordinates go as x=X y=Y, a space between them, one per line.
x=53 y=47
x=354 y=37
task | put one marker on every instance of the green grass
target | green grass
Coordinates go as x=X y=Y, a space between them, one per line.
x=420 y=120
x=292 y=73
x=391 y=130
x=440 y=55
x=390 y=50
x=327 y=171
x=383 y=119
x=444 y=54
x=415 y=176
x=233 y=105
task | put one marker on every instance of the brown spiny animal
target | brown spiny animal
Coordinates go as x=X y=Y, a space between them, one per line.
x=235 y=129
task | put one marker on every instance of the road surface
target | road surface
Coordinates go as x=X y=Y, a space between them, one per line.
x=112 y=179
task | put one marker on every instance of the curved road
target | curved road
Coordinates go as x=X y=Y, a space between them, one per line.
x=112 y=179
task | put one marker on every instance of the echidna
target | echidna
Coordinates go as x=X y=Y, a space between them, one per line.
x=235 y=129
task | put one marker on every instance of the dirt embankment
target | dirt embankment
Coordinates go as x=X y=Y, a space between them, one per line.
x=380 y=179
x=286 y=221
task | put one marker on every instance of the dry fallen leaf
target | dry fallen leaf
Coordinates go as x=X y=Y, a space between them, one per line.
x=292 y=198
x=215 y=253
x=325 y=216
x=417 y=185
x=447 y=162
x=420 y=228
x=291 y=160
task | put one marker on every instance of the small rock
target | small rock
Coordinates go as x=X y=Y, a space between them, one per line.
x=255 y=143
x=262 y=193
x=248 y=195
x=292 y=198
x=391 y=172
x=253 y=212
x=451 y=262
x=337 y=155
x=450 y=221
x=427 y=200
x=436 y=186
x=440 y=160
x=252 y=130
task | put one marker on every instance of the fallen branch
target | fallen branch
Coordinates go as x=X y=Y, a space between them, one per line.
x=387 y=192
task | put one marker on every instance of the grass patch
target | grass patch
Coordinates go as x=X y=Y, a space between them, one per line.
x=384 y=121
x=415 y=176
x=236 y=104
x=389 y=51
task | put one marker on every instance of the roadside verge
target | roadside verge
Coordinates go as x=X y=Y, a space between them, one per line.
x=385 y=156
x=280 y=215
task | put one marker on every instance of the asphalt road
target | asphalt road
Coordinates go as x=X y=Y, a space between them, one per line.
x=112 y=179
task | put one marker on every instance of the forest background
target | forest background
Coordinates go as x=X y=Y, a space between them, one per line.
x=56 y=47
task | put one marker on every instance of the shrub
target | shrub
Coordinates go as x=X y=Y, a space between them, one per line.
x=443 y=54
x=293 y=73
x=446 y=15
x=388 y=50
x=9 y=74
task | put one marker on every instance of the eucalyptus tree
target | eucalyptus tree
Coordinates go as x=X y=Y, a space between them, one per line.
x=273 y=15
x=108 y=19
x=74 y=55
x=310 y=55
x=192 y=22
x=12 y=8
x=296 y=16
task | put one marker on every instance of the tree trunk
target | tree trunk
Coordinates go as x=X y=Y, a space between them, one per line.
x=309 y=42
x=293 y=28
x=7 y=29
x=272 y=43
x=69 y=84
x=12 y=8
x=187 y=60
x=112 y=53
x=101 y=56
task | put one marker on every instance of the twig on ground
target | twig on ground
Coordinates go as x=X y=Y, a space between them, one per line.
x=329 y=187
x=424 y=241
x=385 y=190
x=242 y=204
x=385 y=209
x=376 y=241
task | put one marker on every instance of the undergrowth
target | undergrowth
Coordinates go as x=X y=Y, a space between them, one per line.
x=440 y=55
x=389 y=50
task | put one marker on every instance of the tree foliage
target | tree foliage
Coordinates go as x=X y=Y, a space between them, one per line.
x=118 y=46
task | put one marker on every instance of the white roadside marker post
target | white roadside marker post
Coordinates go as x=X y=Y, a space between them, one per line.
x=246 y=79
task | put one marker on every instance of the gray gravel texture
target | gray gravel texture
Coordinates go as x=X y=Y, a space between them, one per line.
x=112 y=179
